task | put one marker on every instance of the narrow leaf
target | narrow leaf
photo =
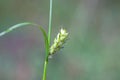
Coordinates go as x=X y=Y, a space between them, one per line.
x=13 y=27
x=25 y=24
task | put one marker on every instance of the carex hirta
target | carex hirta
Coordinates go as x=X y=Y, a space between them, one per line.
x=58 y=41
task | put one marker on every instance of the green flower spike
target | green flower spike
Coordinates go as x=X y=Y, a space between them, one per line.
x=58 y=41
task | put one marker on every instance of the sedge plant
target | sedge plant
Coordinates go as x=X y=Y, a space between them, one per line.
x=49 y=49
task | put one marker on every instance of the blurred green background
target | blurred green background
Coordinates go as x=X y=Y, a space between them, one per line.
x=92 y=51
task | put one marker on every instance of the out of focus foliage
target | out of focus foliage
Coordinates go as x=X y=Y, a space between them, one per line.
x=91 y=53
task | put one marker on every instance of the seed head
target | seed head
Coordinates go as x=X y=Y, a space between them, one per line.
x=58 y=41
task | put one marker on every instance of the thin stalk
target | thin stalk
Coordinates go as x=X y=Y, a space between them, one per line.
x=45 y=70
x=50 y=21
x=49 y=36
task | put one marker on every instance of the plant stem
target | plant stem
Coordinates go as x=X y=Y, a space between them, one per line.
x=45 y=70
x=49 y=36
x=50 y=21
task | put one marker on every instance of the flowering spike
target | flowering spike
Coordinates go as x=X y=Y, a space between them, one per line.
x=58 y=41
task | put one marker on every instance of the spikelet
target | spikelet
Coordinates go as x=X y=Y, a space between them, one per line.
x=58 y=41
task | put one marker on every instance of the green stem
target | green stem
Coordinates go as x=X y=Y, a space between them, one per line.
x=45 y=70
x=50 y=21
x=49 y=36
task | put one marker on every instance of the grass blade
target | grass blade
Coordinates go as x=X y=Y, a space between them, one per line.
x=25 y=24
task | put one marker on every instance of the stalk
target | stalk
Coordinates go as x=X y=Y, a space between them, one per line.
x=50 y=21
x=49 y=37
x=45 y=70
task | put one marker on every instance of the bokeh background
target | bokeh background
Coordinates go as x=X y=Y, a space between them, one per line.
x=92 y=51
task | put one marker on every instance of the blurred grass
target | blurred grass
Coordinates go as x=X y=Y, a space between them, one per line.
x=91 y=53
